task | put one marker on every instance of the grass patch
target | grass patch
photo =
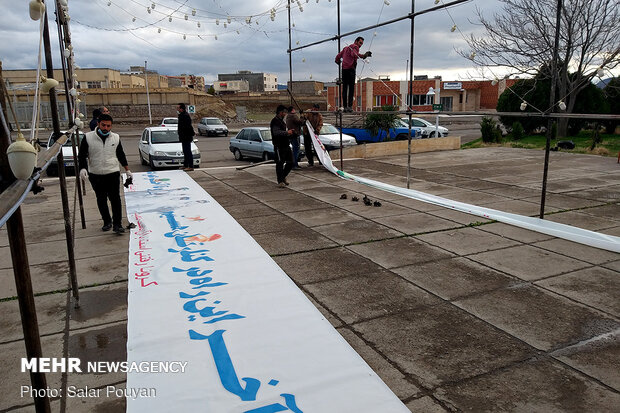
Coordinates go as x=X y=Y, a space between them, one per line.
x=609 y=146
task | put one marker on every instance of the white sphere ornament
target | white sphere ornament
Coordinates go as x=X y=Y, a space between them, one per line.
x=79 y=123
x=22 y=157
x=36 y=9
x=63 y=3
x=600 y=72
x=562 y=105
x=73 y=92
x=523 y=106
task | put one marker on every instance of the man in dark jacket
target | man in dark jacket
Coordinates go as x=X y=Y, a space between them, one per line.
x=186 y=137
x=95 y=120
x=281 y=139
x=316 y=120
x=293 y=122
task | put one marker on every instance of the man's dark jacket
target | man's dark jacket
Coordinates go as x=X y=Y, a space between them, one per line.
x=185 y=129
x=279 y=133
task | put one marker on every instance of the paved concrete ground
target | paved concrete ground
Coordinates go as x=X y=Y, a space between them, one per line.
x=455 y=313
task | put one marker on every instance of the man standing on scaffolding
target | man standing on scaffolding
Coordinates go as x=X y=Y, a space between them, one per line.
x=349 y=56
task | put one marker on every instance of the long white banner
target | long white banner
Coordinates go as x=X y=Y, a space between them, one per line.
x=580 y=235
x=205 y=298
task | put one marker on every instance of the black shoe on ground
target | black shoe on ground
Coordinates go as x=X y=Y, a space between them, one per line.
x=119 y=230
x=106 y=227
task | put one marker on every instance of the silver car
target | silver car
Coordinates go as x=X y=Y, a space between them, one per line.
x=212 y=126
x=160 y=147
x=256 y=142
x=427 y=129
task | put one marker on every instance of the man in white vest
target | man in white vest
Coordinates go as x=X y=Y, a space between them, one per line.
x=100 y=153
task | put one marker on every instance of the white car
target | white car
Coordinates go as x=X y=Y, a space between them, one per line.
x=67 y=155
x=212 y=126
x=171 y=122
x=427 y=129
x=329 y=136
x=160 y=147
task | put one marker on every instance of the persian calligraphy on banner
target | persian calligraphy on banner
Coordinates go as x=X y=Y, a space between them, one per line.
x=202 y=291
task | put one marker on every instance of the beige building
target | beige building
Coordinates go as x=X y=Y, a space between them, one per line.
x=191 y=81
x=96 y=78
x=231 y=86
x=131 y=81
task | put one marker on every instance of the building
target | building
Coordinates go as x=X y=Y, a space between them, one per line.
x=458 y=96
x=95 y=78
x=155 y=80
x=305 y=87
x=190 y=81
x=258 y=82
x=231 y=86
x=131 y=81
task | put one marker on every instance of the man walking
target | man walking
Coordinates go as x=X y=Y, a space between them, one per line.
x=99 y=156
x=293 y=122
x=316 y=120
x=349 y=56
x=280 y=137
x=186 y=137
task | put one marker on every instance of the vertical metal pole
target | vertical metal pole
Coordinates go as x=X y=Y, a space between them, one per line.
x=410 y=93
x=554 y=64
x=339 y=83
x=290 y=58
x=148 y=99
x=61 y=170
x=21 y=271
x=67 y=72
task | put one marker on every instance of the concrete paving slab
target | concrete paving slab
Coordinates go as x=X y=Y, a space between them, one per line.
x=580 y=219
x=237 y=199
x=569 y=185
x=613 y=265
x=299 y=203
x=394 y=379
x=399 y=252
x=562 y=201
x=255 y=209
x=44 y=277
x=12 y=377
x=416 y=223
x=369 y=295
x=442 y=344
x=269 y=223
x=454 y=277
x=333 y=320
x=288 y=243
x=578 y=251
x=326 y=264
x=611 y=211
x=533 y=386
x=599 y=358
x=597 y=287
x=276 y=194
x=540 y=318
x=514 y=192
x=99 y=305
x=465 y=241
x=474 y=197
x=528 y=263
x=425 y=404
x=609 y=193
x=322 y=216
x=356 y=231
x=386 y=209
x=458 y=217
x=50 y=316
x=516 y=206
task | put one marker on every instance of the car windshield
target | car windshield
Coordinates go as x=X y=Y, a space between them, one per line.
x=164 y=136
x=327 y=129
x=68 y=143
x=171 y=121
x=402 y=123
x=214 y=122
x=265 y=134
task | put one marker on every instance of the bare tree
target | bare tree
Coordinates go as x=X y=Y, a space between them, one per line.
x=522 y=36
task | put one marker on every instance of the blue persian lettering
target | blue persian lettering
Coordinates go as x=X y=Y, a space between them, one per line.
x=225 y=367
x=289 y=400
x=187 y=255
x=206 y=312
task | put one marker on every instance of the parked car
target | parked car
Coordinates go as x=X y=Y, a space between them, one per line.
x=255 y=142
x=330 y=137
x=67 y=154
x=172 y=122
x=159 y=147
x=427 y=129
x=212 y=126
x=397 y=133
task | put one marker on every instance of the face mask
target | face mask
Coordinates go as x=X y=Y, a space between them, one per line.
x=102 y=133
x=178 y=112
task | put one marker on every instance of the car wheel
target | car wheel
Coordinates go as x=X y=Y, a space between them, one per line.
x=265 y=156
x=237 y=154
x=199 y=132
x=431 y=135
x=151 y=164
x=403 y=136
x=225 y=133
x=142 y=159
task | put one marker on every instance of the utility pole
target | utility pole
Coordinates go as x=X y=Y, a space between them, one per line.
x=148 y=99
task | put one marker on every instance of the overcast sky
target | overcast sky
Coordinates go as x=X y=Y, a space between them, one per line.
x=105 y=35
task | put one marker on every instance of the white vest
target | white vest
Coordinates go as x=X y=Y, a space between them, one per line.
x=102 y=158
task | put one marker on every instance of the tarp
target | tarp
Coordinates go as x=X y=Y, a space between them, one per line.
x=568 y=232
x=202 y=291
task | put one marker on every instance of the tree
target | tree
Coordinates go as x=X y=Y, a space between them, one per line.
x=612 y=94
x=522 y=39
x=378 y=122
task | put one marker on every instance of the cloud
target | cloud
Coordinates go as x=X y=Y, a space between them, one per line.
x=101 y=39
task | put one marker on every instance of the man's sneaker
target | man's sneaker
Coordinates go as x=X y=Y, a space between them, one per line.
x=281 y=185
x=119 y=230
x=106 y=227
x=285 y=182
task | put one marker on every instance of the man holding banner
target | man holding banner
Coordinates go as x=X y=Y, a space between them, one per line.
x=281 y=144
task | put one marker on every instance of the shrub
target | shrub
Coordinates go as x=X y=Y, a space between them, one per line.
x=517 y=131
x=490 y=133
x=376 y=122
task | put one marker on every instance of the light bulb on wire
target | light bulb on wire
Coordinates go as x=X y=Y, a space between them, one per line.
x=562 y=105
x=523 y=105
x=169 y=18
x=453 y=29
